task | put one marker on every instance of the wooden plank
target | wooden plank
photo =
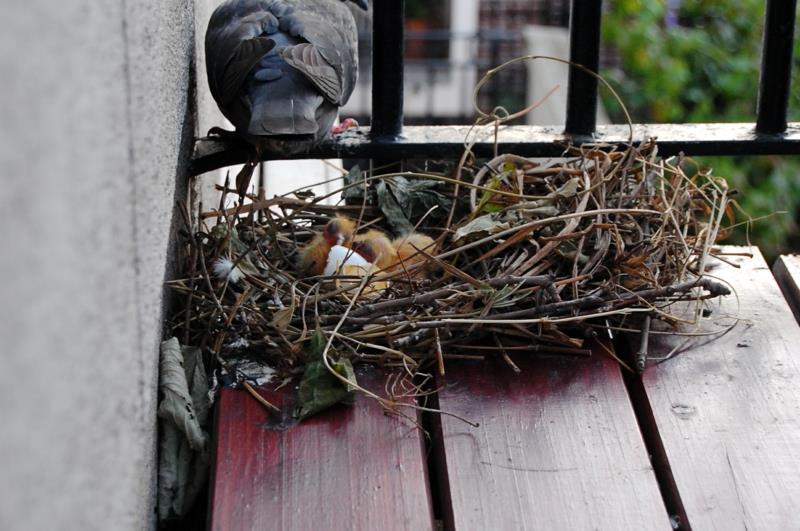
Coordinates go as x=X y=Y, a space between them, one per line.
x=787 y=272
x=558 y=447
x=351 y=468
x=727 y=410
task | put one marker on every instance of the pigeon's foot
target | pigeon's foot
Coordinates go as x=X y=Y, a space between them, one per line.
x=223 y=134
x=347 y=123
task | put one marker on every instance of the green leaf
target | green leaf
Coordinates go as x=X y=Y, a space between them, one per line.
x=317 y=344
x=417 y=196
x=395 y=216
x=245 y=265
x=479 y=227
x=404 y=201
x=509 y=167
x=319 y=389
x=345 y=368
x=238 y=246
x=484 y=205
x=353 y=177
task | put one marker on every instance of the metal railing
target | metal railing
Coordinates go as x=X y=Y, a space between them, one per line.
x=387 y=138
x=438 y=70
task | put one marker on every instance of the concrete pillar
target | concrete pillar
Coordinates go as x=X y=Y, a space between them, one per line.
x=96 y=123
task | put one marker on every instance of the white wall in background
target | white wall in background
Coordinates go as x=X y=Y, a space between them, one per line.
x=544 y=75
x=284 y=176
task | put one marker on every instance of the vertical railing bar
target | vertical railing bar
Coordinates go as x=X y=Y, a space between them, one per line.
x=387 y=67
x=776 y=66
x=584 y=45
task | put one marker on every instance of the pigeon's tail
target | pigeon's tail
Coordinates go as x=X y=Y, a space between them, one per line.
x=282 y=100
x=293 y=117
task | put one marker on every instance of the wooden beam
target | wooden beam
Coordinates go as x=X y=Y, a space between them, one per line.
x=349 y=468
x=726 y=408
x=787 y=272
x=558 y=447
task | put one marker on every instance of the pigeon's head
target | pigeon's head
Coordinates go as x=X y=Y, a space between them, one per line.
x=363 y=4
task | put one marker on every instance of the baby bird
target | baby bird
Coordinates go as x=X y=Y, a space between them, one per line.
x=407 y=251
x=376 y=248
x=314 y=256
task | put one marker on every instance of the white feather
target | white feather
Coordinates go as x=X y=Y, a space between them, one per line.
x=224 y=268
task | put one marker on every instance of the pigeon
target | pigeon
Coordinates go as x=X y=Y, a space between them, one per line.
x=280 y=69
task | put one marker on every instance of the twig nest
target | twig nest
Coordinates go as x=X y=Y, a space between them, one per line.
x=533 y=255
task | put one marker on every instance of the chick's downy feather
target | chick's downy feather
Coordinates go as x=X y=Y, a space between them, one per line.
x=314 y=256
x=408 y=251
x=375 y=247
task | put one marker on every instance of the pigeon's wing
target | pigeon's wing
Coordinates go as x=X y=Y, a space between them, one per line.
x=238 y=37
x=235 y=73
x=329 y=58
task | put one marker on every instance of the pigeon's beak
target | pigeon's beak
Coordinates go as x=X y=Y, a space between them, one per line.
x=363 y=4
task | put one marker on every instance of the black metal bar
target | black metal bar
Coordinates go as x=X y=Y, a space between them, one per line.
x=443 y=142
x=387 y=67
x=584 y=49
x=776 y=66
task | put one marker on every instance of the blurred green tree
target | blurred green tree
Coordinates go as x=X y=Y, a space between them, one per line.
x=698 y=61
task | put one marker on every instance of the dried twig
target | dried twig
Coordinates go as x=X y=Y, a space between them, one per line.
x=605 y=238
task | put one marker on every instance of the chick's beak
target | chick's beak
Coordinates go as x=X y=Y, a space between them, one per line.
x=363 y=4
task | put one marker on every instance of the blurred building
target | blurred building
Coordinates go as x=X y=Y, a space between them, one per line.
x=448 y=49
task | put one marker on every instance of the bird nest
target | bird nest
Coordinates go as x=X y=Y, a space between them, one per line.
x=520 y=254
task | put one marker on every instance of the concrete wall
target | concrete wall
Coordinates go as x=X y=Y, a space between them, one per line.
x=96 y=120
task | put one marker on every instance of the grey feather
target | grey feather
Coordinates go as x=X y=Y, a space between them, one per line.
x=280 y=69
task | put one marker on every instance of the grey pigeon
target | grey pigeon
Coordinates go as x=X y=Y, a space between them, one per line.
x=280 y=69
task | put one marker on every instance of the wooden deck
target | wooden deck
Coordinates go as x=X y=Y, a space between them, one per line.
x=709 y=439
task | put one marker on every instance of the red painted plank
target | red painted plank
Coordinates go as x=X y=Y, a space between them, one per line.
x=787 y=272
x=728 y=410
x=351 y=468
x=558 y=447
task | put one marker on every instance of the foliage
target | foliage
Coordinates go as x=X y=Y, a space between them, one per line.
x=698 y=61
x=319 y=389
